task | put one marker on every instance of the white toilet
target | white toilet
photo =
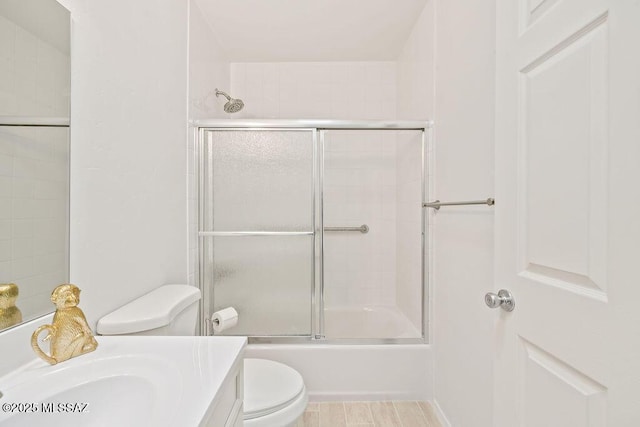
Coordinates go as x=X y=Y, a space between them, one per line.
x=274 y=393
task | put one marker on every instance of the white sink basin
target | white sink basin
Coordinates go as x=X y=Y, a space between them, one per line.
x=127 y=381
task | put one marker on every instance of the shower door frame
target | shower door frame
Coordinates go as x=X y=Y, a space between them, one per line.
x=318 y=128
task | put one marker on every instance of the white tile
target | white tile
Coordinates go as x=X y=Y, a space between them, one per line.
x=21 y=228
x=6 y=165
x=25 y=70
x=22 y=267
x=388 y=72
x=7 y=38
x=8 y=102
x=5 y=250
x=24 y=208
x=5 y=271
x=26 y=45
x=5 y=187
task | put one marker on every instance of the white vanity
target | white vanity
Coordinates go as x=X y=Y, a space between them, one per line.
x=132 y=381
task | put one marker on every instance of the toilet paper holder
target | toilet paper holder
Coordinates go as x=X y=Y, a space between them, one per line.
x=224 y=319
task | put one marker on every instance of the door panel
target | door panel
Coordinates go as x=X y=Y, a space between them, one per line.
x=257 y=231
x=563 y=154
x=566 y=71
x=555 y=394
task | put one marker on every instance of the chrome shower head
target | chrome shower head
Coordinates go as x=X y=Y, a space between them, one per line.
x=233 y=105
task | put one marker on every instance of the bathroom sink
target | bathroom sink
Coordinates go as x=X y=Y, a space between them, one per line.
x=127 y=381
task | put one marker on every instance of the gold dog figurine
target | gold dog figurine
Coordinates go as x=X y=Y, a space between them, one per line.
x=70 y=334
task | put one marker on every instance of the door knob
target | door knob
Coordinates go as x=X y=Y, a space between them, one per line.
x=503 y=299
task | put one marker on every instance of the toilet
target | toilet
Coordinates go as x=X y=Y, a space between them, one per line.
x=274 y=393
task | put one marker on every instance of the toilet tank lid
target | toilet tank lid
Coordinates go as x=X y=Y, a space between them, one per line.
x=156 y=309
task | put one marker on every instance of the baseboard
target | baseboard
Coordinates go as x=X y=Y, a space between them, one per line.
x=440 y=414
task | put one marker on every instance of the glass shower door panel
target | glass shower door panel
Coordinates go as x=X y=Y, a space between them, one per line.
x=267 y=279
x=373 y=285
x=257 y=228
x=259 y=180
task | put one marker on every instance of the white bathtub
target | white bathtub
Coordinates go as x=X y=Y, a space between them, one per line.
x=359 y=371
x=368 y=323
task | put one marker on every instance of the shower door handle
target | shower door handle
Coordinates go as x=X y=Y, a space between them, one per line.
x=503 y=299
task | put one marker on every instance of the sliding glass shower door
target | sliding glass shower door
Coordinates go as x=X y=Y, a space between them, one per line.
x=316 y=233
x=257 y=218
x=373 y=188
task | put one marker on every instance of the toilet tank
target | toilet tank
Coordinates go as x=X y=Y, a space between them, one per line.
x=167 y=310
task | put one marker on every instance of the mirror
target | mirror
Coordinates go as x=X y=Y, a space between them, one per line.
x=34 y=156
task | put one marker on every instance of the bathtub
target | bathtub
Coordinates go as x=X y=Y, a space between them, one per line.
x=336 y=371
x=368 y=323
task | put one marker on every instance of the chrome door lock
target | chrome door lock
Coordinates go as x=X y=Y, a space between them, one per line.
x=503 y=299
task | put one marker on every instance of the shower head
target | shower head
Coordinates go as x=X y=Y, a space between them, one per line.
x=232 y=105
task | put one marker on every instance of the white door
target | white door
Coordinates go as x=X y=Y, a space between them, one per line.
x=568 y=213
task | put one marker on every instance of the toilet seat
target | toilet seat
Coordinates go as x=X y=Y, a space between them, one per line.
x=274 y=393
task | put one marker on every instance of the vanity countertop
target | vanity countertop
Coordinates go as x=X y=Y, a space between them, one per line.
x=128 y=380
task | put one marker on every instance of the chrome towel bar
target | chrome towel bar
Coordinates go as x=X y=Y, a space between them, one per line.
x=253 y=233
x=436 y=204
x=364 y=228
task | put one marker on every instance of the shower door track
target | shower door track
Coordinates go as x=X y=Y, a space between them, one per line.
x=244 y=124
x=317 y=127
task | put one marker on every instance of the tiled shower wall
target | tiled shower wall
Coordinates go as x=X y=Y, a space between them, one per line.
x=315 y=90
x=360 y=188
x=34 y=75
x=34 y=198
x=360 y=178
x=34 y=168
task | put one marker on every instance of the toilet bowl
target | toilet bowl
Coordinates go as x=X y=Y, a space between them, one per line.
x=274 y=393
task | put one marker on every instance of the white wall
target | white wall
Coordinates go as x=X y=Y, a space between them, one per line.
x=452 y=47
x=128 y=161
x=208 y=69
x=463 y=236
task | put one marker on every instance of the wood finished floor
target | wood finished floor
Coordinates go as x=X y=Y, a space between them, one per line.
x=379 y=414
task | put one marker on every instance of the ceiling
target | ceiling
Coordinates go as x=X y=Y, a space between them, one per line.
x=311 y=30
